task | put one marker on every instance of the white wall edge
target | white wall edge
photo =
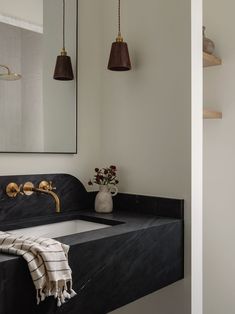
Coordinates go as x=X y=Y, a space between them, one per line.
x=14 y=21
x=197 y=157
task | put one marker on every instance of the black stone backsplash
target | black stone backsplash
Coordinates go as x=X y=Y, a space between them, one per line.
x=165 y=207
x=72 y=194
x=73 y=197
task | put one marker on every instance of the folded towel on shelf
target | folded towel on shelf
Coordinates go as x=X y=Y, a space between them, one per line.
x=47 y=261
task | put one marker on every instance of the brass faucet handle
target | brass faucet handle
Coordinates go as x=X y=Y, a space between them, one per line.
x=28 y=188
x=13 y=189
x=45 y=185
x=51 y=186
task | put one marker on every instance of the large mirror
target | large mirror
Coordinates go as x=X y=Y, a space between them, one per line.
x=38 y=114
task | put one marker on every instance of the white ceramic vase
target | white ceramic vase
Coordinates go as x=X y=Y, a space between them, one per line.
x=103 y=200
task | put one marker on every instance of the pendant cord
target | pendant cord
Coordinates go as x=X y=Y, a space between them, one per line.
x=119 y=17
x=63 y=24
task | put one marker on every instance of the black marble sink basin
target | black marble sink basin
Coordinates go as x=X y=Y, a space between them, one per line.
x=139 y=253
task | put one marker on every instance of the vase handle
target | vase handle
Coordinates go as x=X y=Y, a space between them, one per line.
x=113 y=190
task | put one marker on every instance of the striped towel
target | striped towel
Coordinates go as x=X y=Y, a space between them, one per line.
x=47 y=261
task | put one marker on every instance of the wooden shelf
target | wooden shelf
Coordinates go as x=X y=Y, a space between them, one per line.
x=210 y=60
x=211 y=114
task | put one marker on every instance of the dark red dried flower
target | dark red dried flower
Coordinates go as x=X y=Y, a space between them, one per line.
x=104 y=176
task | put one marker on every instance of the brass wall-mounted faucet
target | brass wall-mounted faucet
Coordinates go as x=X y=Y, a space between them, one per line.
x=28 y=188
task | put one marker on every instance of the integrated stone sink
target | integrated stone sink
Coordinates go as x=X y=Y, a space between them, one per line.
x=60 y=229
x=141 y=253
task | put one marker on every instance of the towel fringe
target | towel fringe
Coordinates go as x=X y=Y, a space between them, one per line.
x=72 y=293
x=61 y=290
x=58 y=302
x=37 y=296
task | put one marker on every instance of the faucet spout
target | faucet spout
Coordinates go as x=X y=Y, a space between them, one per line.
x=29 y=188
x=53 y=194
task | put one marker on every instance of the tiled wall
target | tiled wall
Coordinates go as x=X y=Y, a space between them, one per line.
x=21 y=101
x=32 y=91
x=10 y=92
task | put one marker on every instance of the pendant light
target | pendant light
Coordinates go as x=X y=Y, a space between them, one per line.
x=63 y=69
x=119 y=59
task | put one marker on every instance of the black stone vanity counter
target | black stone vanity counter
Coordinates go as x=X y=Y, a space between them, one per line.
x=139 y=253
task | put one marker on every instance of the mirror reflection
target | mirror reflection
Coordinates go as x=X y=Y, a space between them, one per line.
x=38 y=112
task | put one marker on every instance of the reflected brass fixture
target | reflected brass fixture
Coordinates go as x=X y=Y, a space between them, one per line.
x=63 y=69
x=28 y=188
x=13 y=189
x=45 y=188
x=9 y=76
x=119 y=59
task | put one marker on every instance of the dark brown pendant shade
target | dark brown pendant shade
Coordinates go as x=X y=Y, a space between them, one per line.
x=63 y=69
x=119 y=59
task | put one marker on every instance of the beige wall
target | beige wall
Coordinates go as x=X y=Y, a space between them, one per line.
x=146 y=127
x=219 y=168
